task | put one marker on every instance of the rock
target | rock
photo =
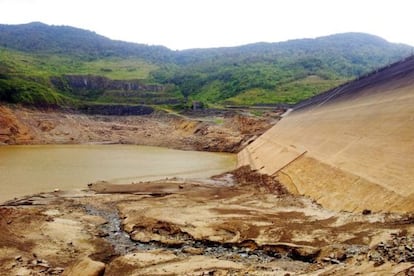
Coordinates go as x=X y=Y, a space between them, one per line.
x=331 y=260
x=46 y=126
x=379 y=262
x=376 y=257
x=339 y=255
x=57 y=270
x=44 y=265
x=102 y=234
x=305 y=253
x=193 y=250
x=119 y=109
x=366 y=212
x=85 y=267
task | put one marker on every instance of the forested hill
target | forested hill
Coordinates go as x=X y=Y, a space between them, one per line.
x=42 y=64
x=41 y=38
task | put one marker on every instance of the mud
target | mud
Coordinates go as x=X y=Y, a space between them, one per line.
x=219 y=226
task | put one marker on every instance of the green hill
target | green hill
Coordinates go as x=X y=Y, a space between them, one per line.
x=61 y=65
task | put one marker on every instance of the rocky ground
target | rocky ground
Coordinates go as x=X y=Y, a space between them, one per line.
x=227 y=132
x=240 y=223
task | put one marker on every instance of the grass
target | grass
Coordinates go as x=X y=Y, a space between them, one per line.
x=208 y=94
x=218 y=121
x=22 y=68
x=257 y=113
x=117 y=68
x=291 y=92
x=17 y=90
x=25 y=78
x=54 y=65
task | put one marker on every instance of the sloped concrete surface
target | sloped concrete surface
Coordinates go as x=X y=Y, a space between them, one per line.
x=351 y=148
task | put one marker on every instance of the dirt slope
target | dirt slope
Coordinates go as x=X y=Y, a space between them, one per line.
x=351 y=148
x=223 y=133
x=12 y=131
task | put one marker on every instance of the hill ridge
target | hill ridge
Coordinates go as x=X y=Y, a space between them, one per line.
x=259 y=73
x=373 y=78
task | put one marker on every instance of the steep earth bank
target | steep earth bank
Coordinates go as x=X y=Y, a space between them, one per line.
x=240 y=223
x=224 y=133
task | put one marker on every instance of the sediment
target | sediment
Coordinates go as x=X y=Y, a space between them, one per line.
x=224 y=133
x=219 y=226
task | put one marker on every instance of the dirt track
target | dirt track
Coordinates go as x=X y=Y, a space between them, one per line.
x=233 y=224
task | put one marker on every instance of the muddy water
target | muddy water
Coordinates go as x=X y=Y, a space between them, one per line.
x=33 y=169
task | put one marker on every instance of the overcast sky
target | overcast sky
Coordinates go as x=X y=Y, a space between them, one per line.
x=182 y=24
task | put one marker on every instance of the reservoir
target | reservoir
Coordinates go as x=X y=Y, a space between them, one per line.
x=26 y=170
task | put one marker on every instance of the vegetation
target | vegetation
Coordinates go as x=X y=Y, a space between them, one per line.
x=33 y=56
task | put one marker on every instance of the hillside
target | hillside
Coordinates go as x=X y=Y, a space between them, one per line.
x=56 y=65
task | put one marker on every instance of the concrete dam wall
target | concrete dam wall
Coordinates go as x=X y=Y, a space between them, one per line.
x=351 y=148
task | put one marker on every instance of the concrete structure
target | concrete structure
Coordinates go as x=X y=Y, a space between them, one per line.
x=351 y=148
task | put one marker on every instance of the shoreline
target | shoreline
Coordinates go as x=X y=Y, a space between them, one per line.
x=238 y=222
x=44 y=168
x=225 y=133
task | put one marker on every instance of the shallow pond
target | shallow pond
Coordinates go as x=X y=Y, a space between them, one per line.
x=32 y=169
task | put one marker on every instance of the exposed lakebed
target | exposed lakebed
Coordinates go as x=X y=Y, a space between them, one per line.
x=32 y=169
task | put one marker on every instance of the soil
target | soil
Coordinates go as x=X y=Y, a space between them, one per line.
x=218 y=226
x=228 y=132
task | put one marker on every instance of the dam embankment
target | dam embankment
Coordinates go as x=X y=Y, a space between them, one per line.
x=351 y=148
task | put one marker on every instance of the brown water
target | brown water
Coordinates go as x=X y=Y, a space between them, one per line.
x=32 y=169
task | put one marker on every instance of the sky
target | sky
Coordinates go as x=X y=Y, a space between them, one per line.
x=183 y=24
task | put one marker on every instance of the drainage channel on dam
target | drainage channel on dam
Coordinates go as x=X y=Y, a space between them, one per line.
x=122 y=244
